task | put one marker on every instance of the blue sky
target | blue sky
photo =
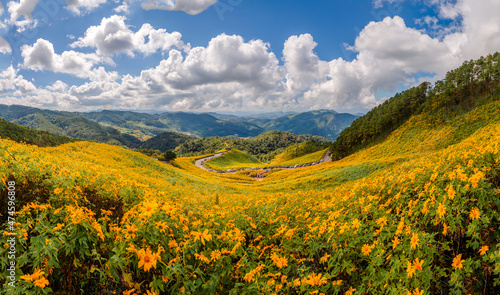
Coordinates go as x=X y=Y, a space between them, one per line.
x=233 y=55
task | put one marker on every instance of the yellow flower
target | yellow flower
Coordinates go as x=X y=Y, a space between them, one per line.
x=149 y=208
x=202 y=258
x=315 y=280
x=483 y=250
x=324 y=259
x=457 y=262
x=59 y=226
x=148 y=259
x=202 y=236
x=150 y=292
x=350 y=291
x=296 y=282
x=474 y=214
x=445 y=229
x=441 y=210
x=129 y=292
x=417 y=265
x=337 y=283
x=410 y=271
x=395 y=242
x=414 y=241
x=41 y=282
x=280 y=262
x=418 y=292
x=38 y=273
x=451 y=192
x=366 y=249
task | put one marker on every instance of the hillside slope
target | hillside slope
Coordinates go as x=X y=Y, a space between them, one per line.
x=20 y=133
x=416 y=213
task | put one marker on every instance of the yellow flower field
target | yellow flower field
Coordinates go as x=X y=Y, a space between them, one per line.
x=416 y=214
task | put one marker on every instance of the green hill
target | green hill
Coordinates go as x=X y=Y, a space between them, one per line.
x=20 y=133
x=264 y=146
x=66 y=124
x=234 y=160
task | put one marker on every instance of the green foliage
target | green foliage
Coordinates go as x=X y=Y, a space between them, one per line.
x=67 y=124
x=165 y=141
x=264 y=146
x=31 y=136
x=169 y=156
x=377 y=124
x=149 y=152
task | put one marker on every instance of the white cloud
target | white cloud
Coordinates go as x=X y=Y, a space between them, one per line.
x=82 y=6
x=225 y=59
x=389 y=53
x=192 y=7
x=41 y=56
x=380 y=3
x=301 y=63
x=480 y=27
x=58 y=86
x=113 y=36
x=229 y=72
x=11 y=81
x=233 y=73
x=22 y=10
x=4 y=46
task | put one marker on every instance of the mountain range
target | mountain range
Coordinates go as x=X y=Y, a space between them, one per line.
x=134 y=129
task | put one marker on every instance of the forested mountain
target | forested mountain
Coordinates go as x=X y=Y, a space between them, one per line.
x=166 y=141
x=66 y=124
x=466 y=87
x=20 y=133
x=128 y=128
x=325 y=123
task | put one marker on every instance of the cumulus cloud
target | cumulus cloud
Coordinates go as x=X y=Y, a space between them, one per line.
x=389 y=53
x=41 y=56
x=302 y=65
x=230 y=72
x=380 y=3
x=480 y=33
x=11 y=81
x=21 y=13
x=82 y=6
x=113 y=36
x=192 y=7
x=4 y=46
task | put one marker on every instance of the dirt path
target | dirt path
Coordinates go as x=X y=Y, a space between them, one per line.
x=200 y=164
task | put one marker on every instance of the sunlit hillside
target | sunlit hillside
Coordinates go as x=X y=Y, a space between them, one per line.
x=416 y=213
x=234 y=160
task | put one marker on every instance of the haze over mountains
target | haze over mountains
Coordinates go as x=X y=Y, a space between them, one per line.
x=132 y=128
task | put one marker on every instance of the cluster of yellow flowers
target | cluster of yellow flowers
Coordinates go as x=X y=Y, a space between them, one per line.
x=388 y=219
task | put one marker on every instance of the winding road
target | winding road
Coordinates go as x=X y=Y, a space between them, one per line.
x=200 y=163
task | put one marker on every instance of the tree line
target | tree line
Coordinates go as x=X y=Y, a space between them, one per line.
x=461 y=89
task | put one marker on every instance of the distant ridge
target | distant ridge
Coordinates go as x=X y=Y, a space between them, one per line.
x=128 y=128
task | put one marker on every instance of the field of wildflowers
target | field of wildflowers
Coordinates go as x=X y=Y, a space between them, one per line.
x=416 y=214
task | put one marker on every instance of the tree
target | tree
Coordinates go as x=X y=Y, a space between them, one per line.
x=169 y=156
